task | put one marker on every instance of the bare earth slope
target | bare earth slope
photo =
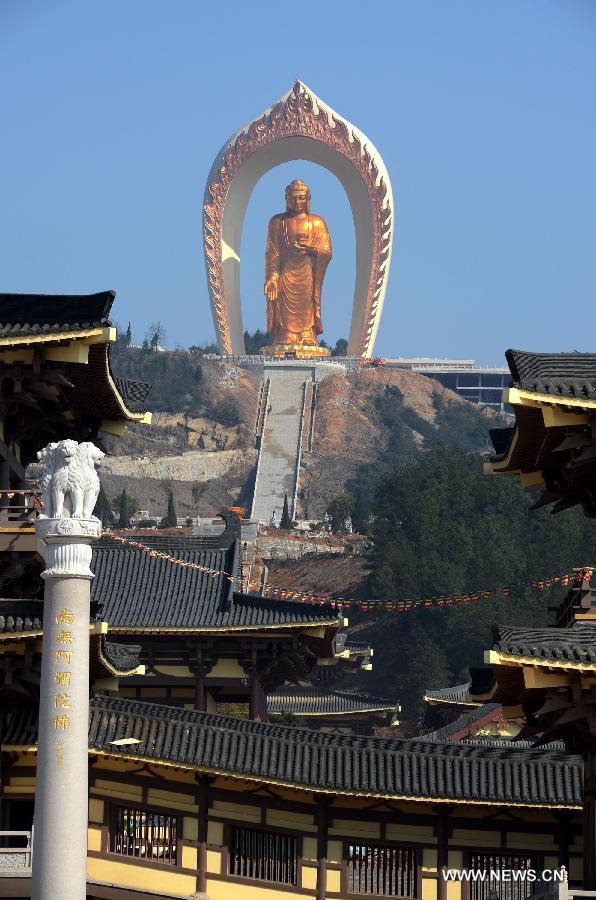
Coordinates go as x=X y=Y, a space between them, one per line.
x=350 y=431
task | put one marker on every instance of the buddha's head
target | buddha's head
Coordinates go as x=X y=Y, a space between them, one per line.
x=297 y=197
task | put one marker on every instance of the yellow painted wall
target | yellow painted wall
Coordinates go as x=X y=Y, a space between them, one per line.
x=215 y=833
x=476 y=838
x=353 y=828
x=96 y=810
x=334 y=851
x=524 y=841
x=190 y=828
x=309 y=877
x=429 y=859
x=411 y=833
x=171 y=799
x=429 y=889
x=94 y=839
x=281 y=818
x=244 y=813
x=141 y=877
x=189 y=857
x=333 y=881
x=221 y=890
x=214 y=861
x=309 y=848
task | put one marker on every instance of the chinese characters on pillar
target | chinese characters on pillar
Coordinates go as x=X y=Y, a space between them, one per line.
x=62 y=677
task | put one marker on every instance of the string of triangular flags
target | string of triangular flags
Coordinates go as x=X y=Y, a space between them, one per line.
x=574 y=578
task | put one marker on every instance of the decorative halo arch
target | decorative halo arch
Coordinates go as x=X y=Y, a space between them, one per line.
x=298 y=126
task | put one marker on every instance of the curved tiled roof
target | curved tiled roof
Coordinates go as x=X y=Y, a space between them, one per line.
x=142 y=592
x=576 y=644
x=467 y=720
x=313 y=701
x=20 y=615
x=24 y=314
x=342 y=764
x=456 y=694
x=559 y=374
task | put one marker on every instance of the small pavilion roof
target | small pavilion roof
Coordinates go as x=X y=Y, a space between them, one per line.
x=456 y=695
x=322 y=762
x=311 y=701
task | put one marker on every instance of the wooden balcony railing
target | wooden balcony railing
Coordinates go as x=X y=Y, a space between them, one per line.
x=19 y=508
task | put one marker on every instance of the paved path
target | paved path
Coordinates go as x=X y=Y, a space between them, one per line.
x=278 y=462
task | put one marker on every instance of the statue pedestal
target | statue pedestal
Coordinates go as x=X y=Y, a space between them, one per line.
x=296 y=351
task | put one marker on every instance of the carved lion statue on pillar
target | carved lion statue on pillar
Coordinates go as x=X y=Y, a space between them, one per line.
x=70 y=483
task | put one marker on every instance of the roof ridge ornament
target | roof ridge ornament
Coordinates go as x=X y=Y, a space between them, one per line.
x=298 y=126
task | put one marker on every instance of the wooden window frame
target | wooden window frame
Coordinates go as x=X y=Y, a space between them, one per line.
x=264 y=828
x=417 y=847
x=537 y=857
x=113 y=807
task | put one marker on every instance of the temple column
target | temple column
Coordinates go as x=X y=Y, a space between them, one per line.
x=442 y=832
x=203 y=824
x=61 y=796
x=322 y=825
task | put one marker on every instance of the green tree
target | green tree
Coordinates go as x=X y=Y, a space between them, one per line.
x=340 y=509
x=285 y=522
x=124 y=519
x=103 y=509
x=341 y=348
x=170 y=519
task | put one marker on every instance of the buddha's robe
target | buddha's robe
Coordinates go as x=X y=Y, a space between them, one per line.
x=291 y=316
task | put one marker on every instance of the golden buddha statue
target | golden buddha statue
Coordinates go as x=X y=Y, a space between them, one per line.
x=297 y=254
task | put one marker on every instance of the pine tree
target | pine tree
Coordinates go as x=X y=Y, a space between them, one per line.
x=285 y=522
x=171 y=520
x=103 y=510
x=128 y=338
x=124 y=521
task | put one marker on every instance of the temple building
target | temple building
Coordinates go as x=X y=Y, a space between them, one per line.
x=548 y=674
x=192 y=792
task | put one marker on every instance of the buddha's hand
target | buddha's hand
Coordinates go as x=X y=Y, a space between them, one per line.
x=271 y=287
x=318 y=325
x=303 y=245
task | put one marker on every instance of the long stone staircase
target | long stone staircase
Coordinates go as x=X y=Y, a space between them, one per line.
x=278 y=463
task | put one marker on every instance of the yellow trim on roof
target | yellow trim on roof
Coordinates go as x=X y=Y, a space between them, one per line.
x=497 y=658
x=99 y=335
x=304 y=626
x=307 y=789
x=520 y=397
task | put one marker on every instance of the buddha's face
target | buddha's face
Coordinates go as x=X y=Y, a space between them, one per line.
x=297 y=201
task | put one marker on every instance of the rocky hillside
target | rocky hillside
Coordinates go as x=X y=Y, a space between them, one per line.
x=201 y=442
x=381 y=415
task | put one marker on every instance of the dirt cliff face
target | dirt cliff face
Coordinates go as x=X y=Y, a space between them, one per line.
x=350 y=431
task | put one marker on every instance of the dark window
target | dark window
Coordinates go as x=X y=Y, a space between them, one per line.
x=490 y=395
x=448 y=381
x=389 y=871
x=265 y=855
x=465 y=380
x=145 y=835
x=492 y=863
x=494 y=380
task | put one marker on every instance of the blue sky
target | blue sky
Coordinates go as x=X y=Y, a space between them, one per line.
x=112 y=112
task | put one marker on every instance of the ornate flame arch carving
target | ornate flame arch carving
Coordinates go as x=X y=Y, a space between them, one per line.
x=299 y=126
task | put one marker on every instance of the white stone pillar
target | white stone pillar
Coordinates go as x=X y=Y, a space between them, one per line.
x=61 y=797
